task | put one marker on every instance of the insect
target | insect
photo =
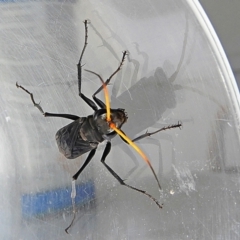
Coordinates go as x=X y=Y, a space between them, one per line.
x=84 y=134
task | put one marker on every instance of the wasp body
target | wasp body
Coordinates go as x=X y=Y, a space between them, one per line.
x=85 y=133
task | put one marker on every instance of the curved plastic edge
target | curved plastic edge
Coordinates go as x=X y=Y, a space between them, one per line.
x=231 y=85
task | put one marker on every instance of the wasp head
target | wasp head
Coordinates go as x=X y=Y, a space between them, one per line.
x=118 y=117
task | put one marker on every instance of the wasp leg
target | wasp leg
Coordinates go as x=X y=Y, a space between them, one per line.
x=89 y=158
x=100 y=103
x=79 y=67
x=75 y=177
x=148 y=134
x=62 y=115
x=119 y=179
x=97 y=100
x=45 y=114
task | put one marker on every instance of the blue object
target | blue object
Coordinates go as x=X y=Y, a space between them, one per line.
x=55 y=200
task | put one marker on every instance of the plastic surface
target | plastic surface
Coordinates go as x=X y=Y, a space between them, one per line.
x=176 y=71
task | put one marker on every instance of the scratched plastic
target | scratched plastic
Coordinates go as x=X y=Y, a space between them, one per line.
x=176 y=70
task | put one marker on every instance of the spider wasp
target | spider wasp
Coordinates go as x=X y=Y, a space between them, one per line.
x=84 y=134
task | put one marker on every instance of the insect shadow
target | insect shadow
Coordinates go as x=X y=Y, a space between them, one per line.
x=158 y=93
x=147 y=99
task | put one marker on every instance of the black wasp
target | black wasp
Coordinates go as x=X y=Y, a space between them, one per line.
x=85 y=133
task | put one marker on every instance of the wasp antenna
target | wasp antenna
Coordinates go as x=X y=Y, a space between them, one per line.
x=141 y=153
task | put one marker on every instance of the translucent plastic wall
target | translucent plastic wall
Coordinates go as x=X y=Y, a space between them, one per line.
x=176 y=71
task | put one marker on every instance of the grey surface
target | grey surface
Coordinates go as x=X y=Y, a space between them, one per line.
x=176 y=71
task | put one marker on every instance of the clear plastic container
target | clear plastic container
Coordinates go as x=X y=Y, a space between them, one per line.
x=176 y=71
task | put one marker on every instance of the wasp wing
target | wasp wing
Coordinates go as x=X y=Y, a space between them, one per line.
x=70 y=142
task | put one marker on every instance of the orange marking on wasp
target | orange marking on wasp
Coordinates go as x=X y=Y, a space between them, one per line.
x=126 y=138
x=107 y=101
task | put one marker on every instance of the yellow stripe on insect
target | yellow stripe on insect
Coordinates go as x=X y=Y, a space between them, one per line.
x=132 y=144
x=107 y=101
x=120 y=133
x=112 y=125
